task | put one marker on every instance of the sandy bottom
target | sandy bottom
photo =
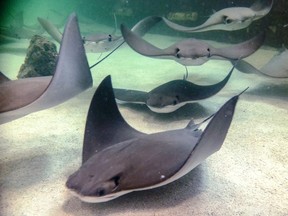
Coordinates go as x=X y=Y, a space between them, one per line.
x=248 y=176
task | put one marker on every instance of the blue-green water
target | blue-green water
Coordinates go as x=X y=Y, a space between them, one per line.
x=130 y=12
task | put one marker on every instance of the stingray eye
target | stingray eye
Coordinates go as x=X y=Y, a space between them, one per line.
x=116 y=180
x=109 y=37
x=209 y=52
x=227 y=20
x=100 y=192
x=177 y=50
x=176 y=100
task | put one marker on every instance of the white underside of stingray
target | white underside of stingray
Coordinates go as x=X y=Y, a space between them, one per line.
x=166 y=109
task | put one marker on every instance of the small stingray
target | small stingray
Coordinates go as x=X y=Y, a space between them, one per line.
x=170 y=96
x=72 y=76
x=228 y=19
x=98 y=43
x=117 y=159
x=277 y=67
x=18 y=30
x=192 y=51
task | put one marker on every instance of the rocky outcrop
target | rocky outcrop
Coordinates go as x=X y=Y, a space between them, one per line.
x=40 y=58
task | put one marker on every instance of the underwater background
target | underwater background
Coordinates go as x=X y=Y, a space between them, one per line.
x=131 y=11
x=248 y=176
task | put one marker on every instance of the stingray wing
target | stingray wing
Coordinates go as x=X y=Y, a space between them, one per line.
x=3 y=78
x=210 y=90
x=144 y=25
x=240 y=50
x=72 y=75
x=277 y=67
x=211 y=139
x=262 y=8
x=105 y=125
x=246 y=67
x=18 y=21
x=52 y=30
x=211 y=24
x=130 y=96
x=140 y=45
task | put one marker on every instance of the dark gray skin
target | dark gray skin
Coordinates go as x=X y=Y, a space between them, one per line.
x=170 y=96
x=277 y=67
x=228 y=19
x=117 y=159
x=3 y=78
x=192 y=51
x=72 y=76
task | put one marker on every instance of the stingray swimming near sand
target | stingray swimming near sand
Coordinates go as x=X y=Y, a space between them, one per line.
x=192 y=51
x=170 y=96
x=228 y=19
x=117 y=159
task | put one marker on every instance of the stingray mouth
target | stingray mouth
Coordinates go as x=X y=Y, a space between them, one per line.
x=167 y=108
x=191 y=61
x=98 y=195
x=96 y=199
x=87 y=187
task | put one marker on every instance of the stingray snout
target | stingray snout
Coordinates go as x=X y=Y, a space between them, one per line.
x=73 y=182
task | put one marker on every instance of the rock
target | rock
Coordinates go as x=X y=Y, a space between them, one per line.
x=40 y=58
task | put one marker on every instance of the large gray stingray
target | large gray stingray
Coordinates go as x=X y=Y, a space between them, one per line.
x=277 y=67
x=101 y=42
x=228 y=19
x=170 y=96
x=192 y=51
x=72 y=76
x=117 y=159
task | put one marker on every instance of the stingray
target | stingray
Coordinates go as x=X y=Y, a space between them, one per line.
x=192 y=51
x=71 y=77
x=277 y=67
x=117 y=159
x=101 y=42
x=96 y=43
x=18 y=30
x=228 y=19
x=170 y=96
